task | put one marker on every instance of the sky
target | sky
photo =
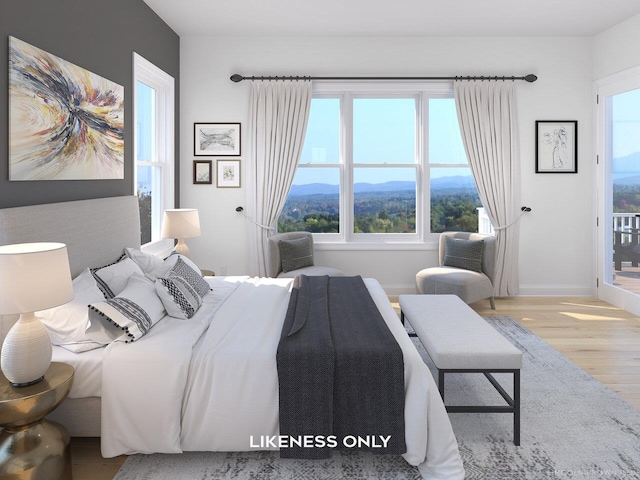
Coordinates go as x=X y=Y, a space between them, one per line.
x=145 y=98
x=625 y=133
x=626 y=123
x=384 y=132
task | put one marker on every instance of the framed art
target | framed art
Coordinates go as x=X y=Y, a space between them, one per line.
x=556 y=146
x=228 y=174
x=215 y=139
x=202 y=172
x=65 y=122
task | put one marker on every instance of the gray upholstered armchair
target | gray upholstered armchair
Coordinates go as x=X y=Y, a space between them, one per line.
x=465 y=269
x=298 y=258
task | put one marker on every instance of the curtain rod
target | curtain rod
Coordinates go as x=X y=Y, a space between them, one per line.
x=528 y=78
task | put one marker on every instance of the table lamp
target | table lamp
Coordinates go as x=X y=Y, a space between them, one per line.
x=181 y=223
x=33 y=277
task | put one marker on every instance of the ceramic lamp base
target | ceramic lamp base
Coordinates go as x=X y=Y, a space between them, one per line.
x=26 y=351
x=182 y=248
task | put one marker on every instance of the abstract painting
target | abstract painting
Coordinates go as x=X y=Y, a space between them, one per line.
x=65 y=122
x=214 y=139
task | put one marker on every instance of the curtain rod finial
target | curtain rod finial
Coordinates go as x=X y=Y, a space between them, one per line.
x=531 y=78
x=236 y=77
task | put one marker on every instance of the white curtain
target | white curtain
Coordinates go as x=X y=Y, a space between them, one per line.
x=278 y=123
x=487 y=118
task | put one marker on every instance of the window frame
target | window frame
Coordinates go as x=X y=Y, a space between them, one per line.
x=347 y=239
x=163 y=145
x=353 y=237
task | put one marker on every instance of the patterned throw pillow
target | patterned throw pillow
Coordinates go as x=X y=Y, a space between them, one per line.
x=181 y=290
x=295 y=254
x=462 y=253
x=128 y=316
x=165 y=267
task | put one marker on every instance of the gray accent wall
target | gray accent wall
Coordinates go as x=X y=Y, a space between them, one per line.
x=100 y=36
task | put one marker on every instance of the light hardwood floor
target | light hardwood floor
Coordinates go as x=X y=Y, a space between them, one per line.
x=601 y=339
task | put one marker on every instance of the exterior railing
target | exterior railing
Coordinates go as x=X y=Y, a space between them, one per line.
x=622 y=221
x=484 y=224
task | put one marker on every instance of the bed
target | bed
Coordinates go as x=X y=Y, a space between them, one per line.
x=215 y=373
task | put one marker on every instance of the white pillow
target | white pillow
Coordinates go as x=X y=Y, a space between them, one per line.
x=145 y=261
x=182 y=290
x=128 y=316
x=67 y=323
x=164 y=269
x=112 y=279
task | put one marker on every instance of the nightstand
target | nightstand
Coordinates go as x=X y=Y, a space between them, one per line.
x=30 y=446
x=208 y=273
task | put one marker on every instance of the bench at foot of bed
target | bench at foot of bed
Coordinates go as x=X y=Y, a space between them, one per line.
x=458 y=340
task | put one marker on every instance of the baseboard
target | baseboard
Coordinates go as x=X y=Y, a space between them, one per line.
x=532 y=290
x=395 y=290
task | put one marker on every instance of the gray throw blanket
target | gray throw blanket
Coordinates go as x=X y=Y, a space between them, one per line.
x=340 y=371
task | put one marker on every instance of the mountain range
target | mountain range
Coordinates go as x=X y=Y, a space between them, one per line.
x=626 y=170
x=444 y=183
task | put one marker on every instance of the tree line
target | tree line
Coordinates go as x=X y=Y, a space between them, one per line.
x=380 y=212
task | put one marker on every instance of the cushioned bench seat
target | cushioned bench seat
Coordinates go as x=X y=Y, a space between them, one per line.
x=459 y=340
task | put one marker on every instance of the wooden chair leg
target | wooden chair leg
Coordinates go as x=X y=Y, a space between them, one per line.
x=493 y=303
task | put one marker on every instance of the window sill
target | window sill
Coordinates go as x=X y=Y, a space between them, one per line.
x=160 y=248
x=375 y=246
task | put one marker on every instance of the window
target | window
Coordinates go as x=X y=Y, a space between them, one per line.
x=153 y=149
x=453 y=195
x=378 y=164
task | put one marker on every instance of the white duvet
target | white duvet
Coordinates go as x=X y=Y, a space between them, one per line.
x=210 y=383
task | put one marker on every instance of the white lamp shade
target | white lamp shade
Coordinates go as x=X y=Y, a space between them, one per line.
x=181 y=223
x=34 y=276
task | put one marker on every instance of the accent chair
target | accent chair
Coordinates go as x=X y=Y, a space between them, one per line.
x=465 y=270
x=291 y=254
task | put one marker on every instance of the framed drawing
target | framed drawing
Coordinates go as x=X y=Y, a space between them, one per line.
x=216 y=139
x=228 y=174
x=556 y=146
x=202 y=172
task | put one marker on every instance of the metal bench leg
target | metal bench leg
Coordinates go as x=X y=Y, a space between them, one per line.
x=516 y=405
x=402 y=319
x=441 y=383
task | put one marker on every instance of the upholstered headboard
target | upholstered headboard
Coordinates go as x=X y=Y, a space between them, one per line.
x=95 y=231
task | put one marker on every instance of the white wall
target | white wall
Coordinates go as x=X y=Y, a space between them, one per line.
x=556 y=240
x=617 y=48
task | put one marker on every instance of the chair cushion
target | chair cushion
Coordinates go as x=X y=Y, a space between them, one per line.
x=462 y=253
x=469 y=286
x=295 y=254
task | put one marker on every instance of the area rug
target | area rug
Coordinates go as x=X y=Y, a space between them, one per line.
x=572 y=427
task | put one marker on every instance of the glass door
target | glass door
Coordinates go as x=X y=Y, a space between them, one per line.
x=619 y=193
